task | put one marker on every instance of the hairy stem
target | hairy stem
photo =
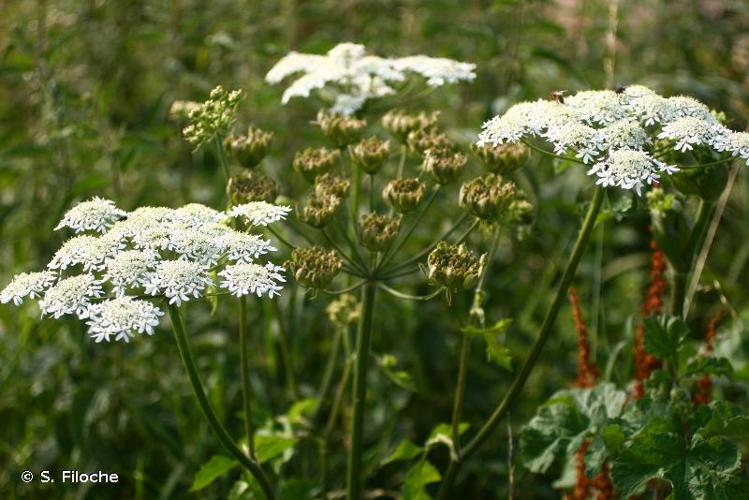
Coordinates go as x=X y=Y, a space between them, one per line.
x=245 y=375
x=363 y=340
x=252 y=466
x=543 y=334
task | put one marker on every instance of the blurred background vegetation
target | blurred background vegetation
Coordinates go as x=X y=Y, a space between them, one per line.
x=85 y=88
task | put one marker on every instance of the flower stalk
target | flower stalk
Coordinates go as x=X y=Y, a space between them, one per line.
x=245 y=376
x=251 y=464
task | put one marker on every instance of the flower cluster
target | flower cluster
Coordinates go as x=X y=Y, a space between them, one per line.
x=107 y=276
x=616 y=132
x=213 y=117
x=353 y=76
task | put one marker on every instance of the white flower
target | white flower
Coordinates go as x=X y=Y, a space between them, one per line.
x=624 y=133
x=689 y=131
x=121 y=318
x=247 y=278
x=196 y=214
x=581 y=138
x=260 y=213
x=96 y=214
x=178 y=280
x=243 y=247
x=596 y=106
x=26 y=285
x=71 y=296
x=736 y=143
x=680 y=106
x=629 y=169
x=353 y=77
x=201 y=244
x=90 y=251
x=128 y=269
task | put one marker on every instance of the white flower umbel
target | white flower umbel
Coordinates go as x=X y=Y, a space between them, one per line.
x=202 y=244
x=629 y=169
x=195 y=214
x=244 y=247
x=260 y=213
x=128 y=269
x=178 y=280
x=89 y=251
x=249 y=278
x=609 y=128
x=71 y=296
x=97 y=214
x=27 y=285
x=122 y=318
x=353 y=76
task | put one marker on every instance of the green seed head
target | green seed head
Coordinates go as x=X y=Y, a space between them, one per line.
x=251 y=186
x=490 y=198
x=400 y=123
x=331 y=185
x=502 y=159
x=314 y=267
x=319 y=210
x=404 y=195
x=315 y=161
x=444 y=164
x=370 y=154
x=250 y=149
x=421 y=140
x=378 y=231
x=453 y=266
x=342 y=130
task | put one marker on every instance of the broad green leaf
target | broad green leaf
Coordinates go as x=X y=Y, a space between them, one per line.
x=214 y=468
x=302 y=409
x=613 y=437
x=406 y=450
x=708 y=365
x=664 y=336
x=269 y=446
x=418 y=477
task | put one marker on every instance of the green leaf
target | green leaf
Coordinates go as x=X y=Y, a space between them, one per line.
x=214 y=468
x=406 y=450
x=298 y=489
x=401 y=378
x=269 y=446
x=499 y=327
x=495 y=351
x=302 y=409
x=613 y=437
x=664 y=337
x=417 y=478
x=708 y=365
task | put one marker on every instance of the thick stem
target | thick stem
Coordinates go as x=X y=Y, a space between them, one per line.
x=245 y=375
x=252 y=466
x=694 y=243
x=363 y=339
x=543 y=335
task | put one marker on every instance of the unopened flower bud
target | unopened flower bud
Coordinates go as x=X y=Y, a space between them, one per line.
x=313 y=162
x=314 y=267
x=444 y=164
x=378 y=231
x=341 y=129
x=421 y=140
x=251 y=186
x=250 y=149
x=489 y=197
x=660 y=202
x=400 y=124
x=370 y=154
x=453 y=266
x=319 y=210
x=331 y=185
x=344 y=311
x=502 y=159
x=404 y=195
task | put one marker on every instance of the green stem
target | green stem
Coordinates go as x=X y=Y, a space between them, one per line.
x=252 y=466
x=402 y=162
x=245 y=375
x=552 y=155
x=696 y=238
x=543 y=334
x=222 y=157
x=407 y=296
x=363 y=340
x=330 y=425
x=327 y=379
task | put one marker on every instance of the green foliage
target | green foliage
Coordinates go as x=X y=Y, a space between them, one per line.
x=214 y=468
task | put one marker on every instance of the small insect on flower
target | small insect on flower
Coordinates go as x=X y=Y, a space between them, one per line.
x=97 y=214
x=27 y=285
x=249 y=278
x=122 y=318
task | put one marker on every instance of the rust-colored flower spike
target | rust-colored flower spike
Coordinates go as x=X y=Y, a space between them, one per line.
x=645 y=363
x=315 y=161
x=422 y=139
x=249 y=149
x=344 y=311
x=444 y=164
x=453 y=266
x=370 y=154
x=342 y=130
x=502 y=159
x=404 y=195
x=331 y=185
x=705 y=384
x=378 y=231
x=587 y=371
x=493 y=199
x=400 y=123
x=251 y=186
x=314 y=267
x=319 y=210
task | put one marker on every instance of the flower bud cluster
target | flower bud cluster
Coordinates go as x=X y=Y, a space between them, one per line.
x=444 y=164
x=502 y=159
x=400 y=123
x=453 y=266
x=251 y=186
x=344 y=311
x=213 y=117
x=370 y=154
x=404 y=195
x=342 y=130
x=314 y=267
x=378 y=231
x=493 y=199
x=249 y=149
x=315 y=161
